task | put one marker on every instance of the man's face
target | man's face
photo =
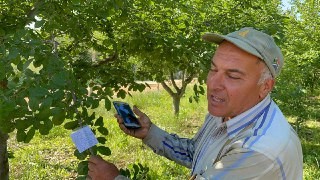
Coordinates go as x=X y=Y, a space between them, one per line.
x=232 y=82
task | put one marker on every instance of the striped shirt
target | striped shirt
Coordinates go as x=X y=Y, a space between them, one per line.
x=257 y=144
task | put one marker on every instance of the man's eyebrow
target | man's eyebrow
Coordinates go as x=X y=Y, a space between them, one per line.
x=231 y=70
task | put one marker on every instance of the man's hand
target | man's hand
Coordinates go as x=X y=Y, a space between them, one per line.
x=100 y=169
x=144 y=121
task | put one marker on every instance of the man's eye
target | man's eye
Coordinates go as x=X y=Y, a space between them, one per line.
x=233 y=77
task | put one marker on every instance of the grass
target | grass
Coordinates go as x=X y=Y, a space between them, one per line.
x=51 y=156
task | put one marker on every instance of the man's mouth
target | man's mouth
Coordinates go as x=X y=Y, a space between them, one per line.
x=216 y=99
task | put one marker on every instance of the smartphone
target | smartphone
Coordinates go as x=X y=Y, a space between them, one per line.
x=130 y=120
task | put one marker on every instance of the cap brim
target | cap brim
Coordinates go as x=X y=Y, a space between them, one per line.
x=216 y=38
x=211 y=37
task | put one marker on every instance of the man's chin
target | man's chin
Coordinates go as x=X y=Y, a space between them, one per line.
x=217 y=113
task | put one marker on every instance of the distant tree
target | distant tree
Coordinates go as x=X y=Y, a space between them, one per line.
x=165 y=37
x=299 y=80
x=302 y=43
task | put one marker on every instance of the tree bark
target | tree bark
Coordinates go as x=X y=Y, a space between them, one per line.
x=4 y=163
x=176 y=104
x=177 y=92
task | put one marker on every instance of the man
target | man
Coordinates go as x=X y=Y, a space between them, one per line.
x=245 y=135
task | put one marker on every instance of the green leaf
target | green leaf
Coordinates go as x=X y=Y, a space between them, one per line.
x=44 y=114
x=108 y=91
x=92 y=116
x=6 y=127
x=59 y=116
x=2 y=32
x=136 y=169
x=195 y=88
x=99 y=121
x=107 y=104
x=125 y=172
x=60 y=79
x=202 y=91
x=121 y=94
x=58 y=95
x=20 y=66
x=76 y=2
x=141 y=87
x=95 y=104
x=81 y=177
x=83 y=168
x=38 y=92
x=30 y=135
x=104 y=150
x=39 y=24
x=84 y=112
x=34 y=103
x=2 y=71
x=21 y=135
x=71 y=125
x=102 y=140
x=94 y=150
x=103 y=130
x=13 y=53
x=80 y=156
x=47 y=102
x=45 y=128
x=23 y=124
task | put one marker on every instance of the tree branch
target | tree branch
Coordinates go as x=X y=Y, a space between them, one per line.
x=185 y=82
x=4 y=84
x=167 y=88
x=174 y=82
x=107 y=60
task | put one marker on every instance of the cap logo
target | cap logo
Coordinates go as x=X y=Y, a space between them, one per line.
x=276 y=63
x=243 y=33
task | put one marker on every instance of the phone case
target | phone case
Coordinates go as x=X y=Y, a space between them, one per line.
x=125 y=111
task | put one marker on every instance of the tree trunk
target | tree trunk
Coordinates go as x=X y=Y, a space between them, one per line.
x=176 y=104
x=4 y=164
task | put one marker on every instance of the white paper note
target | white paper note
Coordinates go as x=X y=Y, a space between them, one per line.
x=84 y=139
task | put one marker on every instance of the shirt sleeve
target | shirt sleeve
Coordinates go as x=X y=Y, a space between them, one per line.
x=171 y=146
x=242 y=164
x=121 y=177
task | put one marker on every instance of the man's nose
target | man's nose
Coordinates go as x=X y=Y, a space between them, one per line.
x=215 y=81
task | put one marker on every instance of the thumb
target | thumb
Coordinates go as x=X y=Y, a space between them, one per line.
x=143 y=118
x=95 y=159
x=137 y=111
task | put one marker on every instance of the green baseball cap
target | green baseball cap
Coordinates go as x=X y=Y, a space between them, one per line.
x=254 y=42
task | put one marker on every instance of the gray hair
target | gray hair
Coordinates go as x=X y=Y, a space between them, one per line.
x=265 y=75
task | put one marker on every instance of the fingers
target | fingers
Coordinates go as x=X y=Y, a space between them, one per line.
x=101 y=169
x=95 y=159
x=124 y=129
x=137 y=111
x=119 y=119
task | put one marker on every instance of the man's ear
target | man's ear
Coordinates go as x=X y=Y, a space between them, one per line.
x=266 y=87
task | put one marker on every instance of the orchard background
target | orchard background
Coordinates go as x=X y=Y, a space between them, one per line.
x=62 y=62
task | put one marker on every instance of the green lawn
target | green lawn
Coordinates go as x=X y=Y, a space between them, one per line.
x=51 y=156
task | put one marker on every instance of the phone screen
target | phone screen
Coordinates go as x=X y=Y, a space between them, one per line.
x=125 y=111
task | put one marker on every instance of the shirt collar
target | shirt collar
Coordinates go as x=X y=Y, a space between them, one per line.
x=243 y=120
